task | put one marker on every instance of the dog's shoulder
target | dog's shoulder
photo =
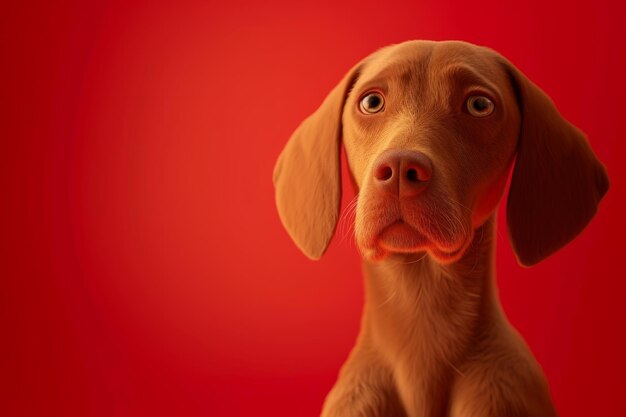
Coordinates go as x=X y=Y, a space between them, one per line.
x=500 y=377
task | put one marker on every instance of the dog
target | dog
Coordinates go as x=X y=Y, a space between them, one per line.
x=431 y=132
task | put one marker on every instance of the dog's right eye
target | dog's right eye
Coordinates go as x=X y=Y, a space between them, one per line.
x=372 y=103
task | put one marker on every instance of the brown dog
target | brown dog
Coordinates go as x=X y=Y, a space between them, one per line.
x=431 y=130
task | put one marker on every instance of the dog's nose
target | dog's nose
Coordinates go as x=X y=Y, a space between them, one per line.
x=403 y=173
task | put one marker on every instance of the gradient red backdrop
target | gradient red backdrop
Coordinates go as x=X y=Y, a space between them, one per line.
x=144 y=270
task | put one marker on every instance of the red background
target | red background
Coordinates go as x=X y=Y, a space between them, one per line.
x=144 y=270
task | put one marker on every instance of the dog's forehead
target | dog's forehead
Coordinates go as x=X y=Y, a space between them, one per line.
x=417 y=58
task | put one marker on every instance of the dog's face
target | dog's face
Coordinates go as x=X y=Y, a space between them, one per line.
x=430 y=131
x=429 y=134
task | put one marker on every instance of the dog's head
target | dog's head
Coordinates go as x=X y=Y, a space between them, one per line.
x=431 y=130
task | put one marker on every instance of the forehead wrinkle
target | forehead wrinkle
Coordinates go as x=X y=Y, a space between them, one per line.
x=464 y=74
x=385 y=75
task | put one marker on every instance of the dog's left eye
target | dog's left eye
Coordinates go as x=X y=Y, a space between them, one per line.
x=479 y=106
x=372 y=103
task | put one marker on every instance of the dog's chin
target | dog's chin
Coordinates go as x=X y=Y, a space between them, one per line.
x=402 y=238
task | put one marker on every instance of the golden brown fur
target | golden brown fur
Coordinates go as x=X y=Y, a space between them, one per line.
x=434 y=340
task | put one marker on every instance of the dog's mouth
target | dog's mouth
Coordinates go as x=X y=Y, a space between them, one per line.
x=401 y=237
x=430 y=225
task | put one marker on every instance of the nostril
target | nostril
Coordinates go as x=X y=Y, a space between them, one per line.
x=384 y=173
x=418 y=173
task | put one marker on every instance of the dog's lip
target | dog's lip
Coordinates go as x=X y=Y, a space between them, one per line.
x=445 y=254
x=400 y=236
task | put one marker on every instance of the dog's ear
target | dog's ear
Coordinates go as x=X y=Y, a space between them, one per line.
x=557 y=181
x=307 y=175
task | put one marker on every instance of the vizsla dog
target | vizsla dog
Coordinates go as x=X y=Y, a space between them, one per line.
x=431 y=131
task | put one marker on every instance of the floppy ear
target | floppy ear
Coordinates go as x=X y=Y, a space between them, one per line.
x=557 y=181
x=307 y=175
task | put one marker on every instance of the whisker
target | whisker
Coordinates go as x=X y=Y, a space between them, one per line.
x=455 y=202
x=421 y=258
x=347 y=218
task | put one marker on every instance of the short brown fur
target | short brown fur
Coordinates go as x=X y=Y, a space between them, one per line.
x=434 y=340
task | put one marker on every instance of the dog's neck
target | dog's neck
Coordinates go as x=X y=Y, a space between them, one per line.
x=425 y=317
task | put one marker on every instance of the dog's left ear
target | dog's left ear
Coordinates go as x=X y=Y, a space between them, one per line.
x=307 y=175
x=557 y=181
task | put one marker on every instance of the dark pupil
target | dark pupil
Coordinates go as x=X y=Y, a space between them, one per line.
x=373 y=101
x=480 y=104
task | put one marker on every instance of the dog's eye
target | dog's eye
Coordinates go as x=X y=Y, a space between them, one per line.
x=372 y=103
x=479 y=106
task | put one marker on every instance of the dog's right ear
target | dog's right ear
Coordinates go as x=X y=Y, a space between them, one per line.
x=307 y=175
